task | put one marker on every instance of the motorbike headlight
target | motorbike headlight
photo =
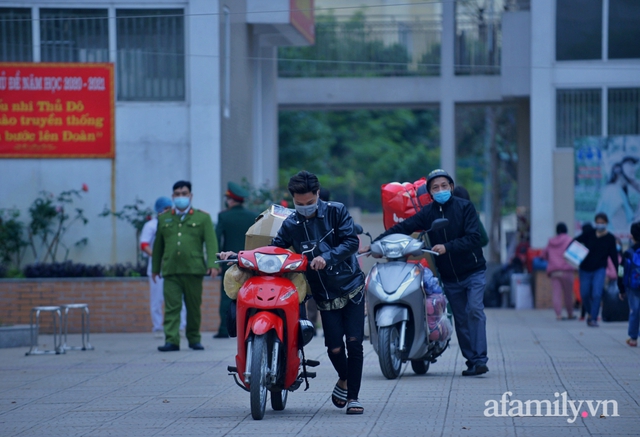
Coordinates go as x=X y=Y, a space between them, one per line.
x=394 y=249
x=246 y=263
x=270 y=263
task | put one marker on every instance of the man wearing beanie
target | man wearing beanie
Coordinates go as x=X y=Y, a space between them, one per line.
x=156 y=298
x=232 y=226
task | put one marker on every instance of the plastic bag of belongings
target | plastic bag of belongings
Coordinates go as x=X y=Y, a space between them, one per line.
x=234 y=277
x=440 y=328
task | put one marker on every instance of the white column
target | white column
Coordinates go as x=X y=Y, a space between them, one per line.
x=35 y=34
x=269 y=162
x=447 y=105
x=543 y=126
x=203 y=91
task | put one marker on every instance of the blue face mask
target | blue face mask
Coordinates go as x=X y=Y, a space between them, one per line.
x=307 y=210
x=442 y=196
x=181 y=203
x=600 y=226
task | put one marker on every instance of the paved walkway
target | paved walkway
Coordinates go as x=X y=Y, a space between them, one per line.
x=126 y=388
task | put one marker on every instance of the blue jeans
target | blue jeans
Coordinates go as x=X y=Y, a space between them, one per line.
x=591 y=288
x=466 y=300
x=633 y=296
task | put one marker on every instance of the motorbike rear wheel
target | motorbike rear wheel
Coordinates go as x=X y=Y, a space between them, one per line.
x=259 y=367
x=388 y=353
x=420 y=367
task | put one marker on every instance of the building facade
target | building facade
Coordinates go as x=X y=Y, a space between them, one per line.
x=194 y=99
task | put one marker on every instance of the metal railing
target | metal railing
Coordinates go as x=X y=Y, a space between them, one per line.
x=477 y=45
x=15 y=35
x=578 y=114
x=74 y=35
x=371 y=46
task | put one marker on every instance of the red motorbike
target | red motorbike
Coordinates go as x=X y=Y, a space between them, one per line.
x=270 y=335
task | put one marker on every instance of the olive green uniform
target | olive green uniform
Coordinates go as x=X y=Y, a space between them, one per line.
x=178 y=249
x=230 y=230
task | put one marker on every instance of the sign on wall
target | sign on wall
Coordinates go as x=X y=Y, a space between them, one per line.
x=608 y=180
x=302 y=18
x=56 y=110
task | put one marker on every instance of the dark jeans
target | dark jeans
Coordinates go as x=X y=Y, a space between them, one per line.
x=346 y=322
x=465 y=298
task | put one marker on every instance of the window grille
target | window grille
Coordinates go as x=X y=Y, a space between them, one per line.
x=15 y=35
x=150 y=56
x=623 y=111
x=74 y=35
x=578 y=114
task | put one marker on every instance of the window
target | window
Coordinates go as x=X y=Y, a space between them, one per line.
x=578 y=114
x=624 y=29
x=578 y=29
x=74 y=35
x=623 y=111
x=15 y=35
x=226 y=63
x=150 y=54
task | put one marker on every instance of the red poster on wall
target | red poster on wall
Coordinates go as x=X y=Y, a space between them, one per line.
x=56 y=110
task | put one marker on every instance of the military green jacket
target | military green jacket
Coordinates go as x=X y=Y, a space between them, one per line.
x=232 y=225
x=178 y=248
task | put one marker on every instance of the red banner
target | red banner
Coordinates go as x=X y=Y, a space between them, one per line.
x=56 y=110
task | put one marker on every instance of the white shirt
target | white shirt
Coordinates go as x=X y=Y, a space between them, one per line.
x=148 y=235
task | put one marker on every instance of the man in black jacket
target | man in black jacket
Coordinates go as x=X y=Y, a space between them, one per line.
x=324 y=231
x=460 y=263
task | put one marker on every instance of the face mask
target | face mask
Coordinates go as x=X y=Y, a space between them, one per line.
x=618 y=247
x=600 y=226
x=307 y=210
x=442 y=196
x=181 y=203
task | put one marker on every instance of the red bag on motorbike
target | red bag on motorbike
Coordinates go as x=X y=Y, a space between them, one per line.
x=402 y=200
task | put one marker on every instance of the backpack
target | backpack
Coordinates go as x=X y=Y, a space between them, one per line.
x=631 y=278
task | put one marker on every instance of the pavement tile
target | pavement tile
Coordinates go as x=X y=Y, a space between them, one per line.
x=126 y=388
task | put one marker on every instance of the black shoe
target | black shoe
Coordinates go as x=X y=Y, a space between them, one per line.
x=196 y=346
x=476 y=370
x=169 y=347
x=221 y=335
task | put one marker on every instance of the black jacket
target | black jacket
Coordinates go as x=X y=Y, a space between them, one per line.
x=331 y=232
x=461 y=237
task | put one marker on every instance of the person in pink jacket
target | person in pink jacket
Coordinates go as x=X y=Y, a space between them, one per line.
x=560 y=272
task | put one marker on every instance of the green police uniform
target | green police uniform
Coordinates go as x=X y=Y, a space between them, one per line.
x=230 y=231
x=178 y=250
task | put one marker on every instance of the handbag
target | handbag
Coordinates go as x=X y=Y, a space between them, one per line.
x=575 y=253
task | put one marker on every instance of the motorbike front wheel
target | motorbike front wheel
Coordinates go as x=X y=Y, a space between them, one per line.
x=420 y=367
x=259 y=367
x=279 y=399
x=388 y=353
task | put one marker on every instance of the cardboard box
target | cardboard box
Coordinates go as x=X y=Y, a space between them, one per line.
x=266 y=227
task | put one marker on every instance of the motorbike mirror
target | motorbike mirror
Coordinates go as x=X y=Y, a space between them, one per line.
x=438 y=224
x=358 y=229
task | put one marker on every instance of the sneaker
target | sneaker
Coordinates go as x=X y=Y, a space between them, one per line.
x=196 y=346
x=592 y=324
x=158 y=334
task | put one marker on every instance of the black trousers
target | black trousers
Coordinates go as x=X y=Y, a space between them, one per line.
x=347 y=322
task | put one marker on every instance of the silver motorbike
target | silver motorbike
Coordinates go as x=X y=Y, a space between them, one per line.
x=397 y=314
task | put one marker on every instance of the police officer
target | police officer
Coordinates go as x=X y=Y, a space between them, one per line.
x=232 y=226
x=178 y=251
